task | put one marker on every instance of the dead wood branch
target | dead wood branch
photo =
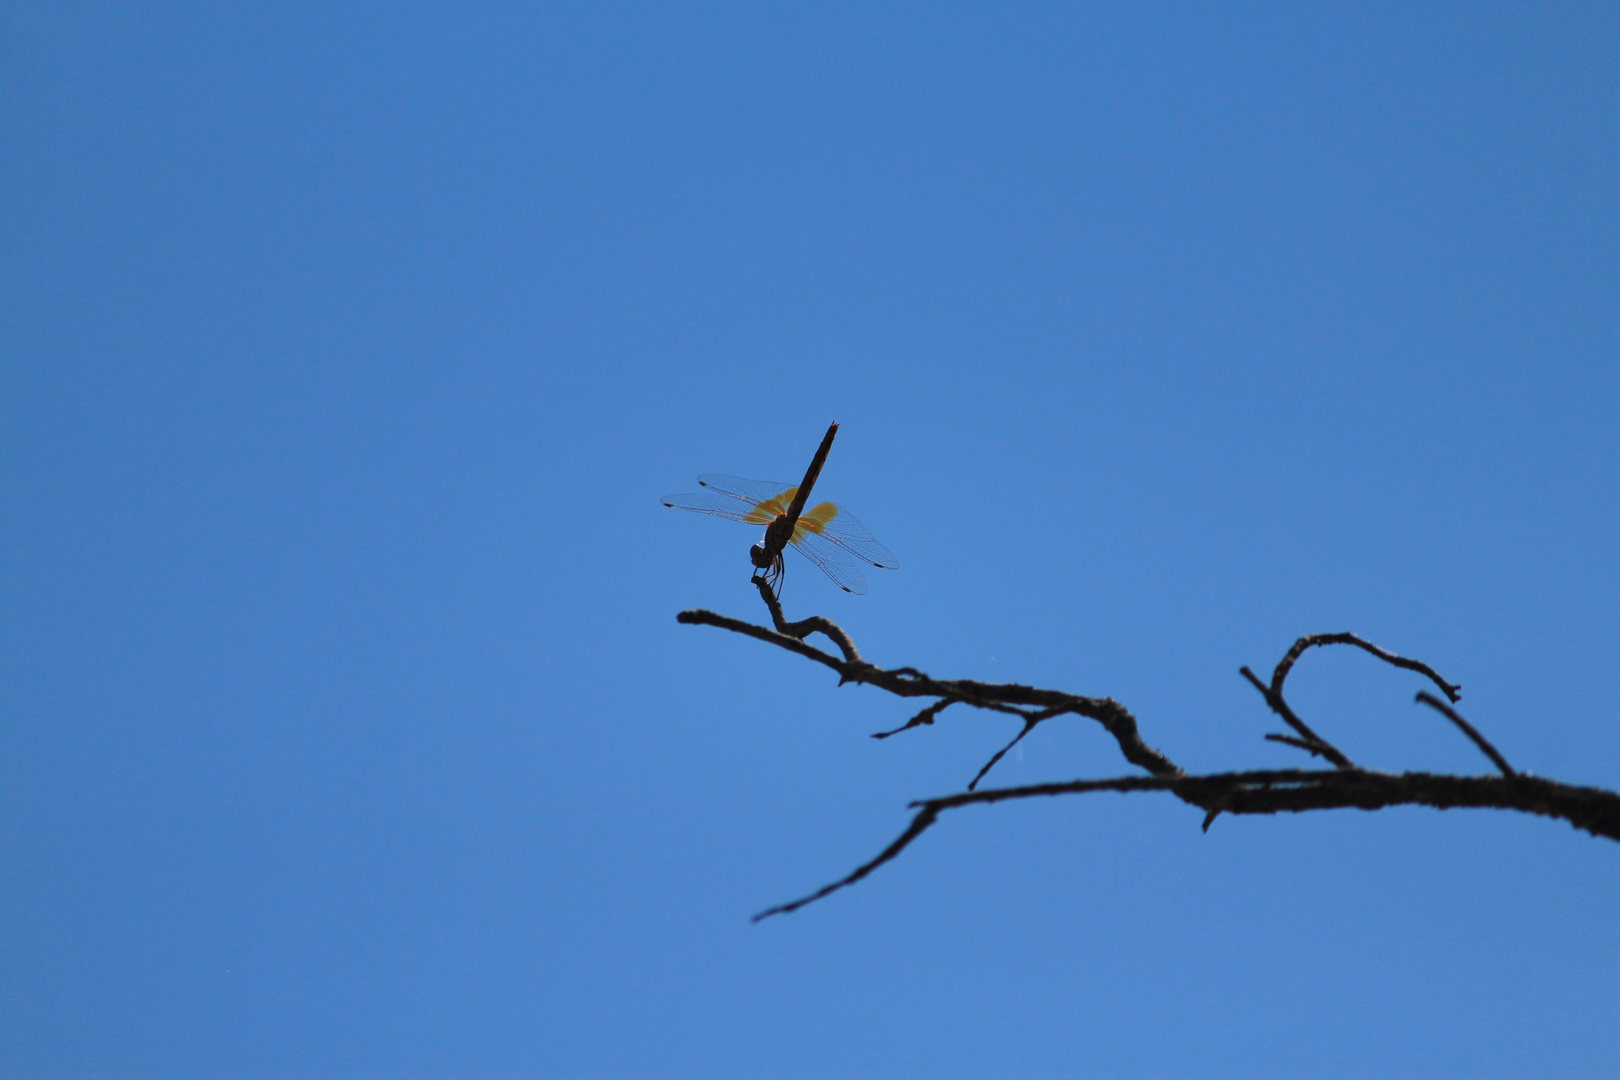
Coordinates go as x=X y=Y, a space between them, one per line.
x=997 y=697
x=1288 y=791
x=1264 y=791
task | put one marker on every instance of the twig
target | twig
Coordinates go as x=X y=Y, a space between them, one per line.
x=924 y=717
x=1453 y=691
x=1029 y=726
x=919 y=825
x=1310 y=748
x=1315 y=743
x=1467 y=729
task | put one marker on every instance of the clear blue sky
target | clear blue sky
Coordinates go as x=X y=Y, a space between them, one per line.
x=346 y=351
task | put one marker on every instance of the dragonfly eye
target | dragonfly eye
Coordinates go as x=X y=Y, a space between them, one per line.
x=760 y=557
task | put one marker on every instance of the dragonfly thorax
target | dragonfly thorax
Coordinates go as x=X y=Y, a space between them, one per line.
x=768 y=554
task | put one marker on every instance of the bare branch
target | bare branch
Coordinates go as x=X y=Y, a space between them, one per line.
x=1314 y=742
x=700 y=617
x=1252 y=792
x=1272 y=791
x=1467 y=729
x=1001 y=697
x=1452 y=691
x=805 y=627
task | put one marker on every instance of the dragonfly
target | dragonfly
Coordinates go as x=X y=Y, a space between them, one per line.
x=826 y=534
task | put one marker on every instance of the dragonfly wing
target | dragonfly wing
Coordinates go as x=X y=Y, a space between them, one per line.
x=832 y=522
x=833 y=562
x=707 y=502
x=753 y=492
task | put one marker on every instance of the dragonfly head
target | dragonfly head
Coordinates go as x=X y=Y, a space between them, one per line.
x=769 y=562
x=767 y=554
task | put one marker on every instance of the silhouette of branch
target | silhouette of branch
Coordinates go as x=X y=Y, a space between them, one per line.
x=1311 y=740
x=700 y=617
x=998 y=697
x=1287 y=791
x=1291 y=741
x=805 y=627
x=1467 y=729
x=1452 y=691
x=924 y=717
x=1029 y=726
x=1262 y=791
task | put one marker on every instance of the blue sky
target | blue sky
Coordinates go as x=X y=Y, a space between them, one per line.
x=346 y=352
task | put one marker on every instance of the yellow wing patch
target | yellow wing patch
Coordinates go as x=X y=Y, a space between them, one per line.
x=816 y=519
x=768 y=511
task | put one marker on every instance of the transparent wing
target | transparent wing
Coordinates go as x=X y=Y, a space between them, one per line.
x=832 y=522
x=754 y=492
x=707 y=502
x=755 y=501
x=834 y=563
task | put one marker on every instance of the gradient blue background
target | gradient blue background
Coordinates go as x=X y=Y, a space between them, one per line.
x=346 y=352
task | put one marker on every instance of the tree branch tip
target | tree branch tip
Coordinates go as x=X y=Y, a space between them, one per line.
x=1484 y=744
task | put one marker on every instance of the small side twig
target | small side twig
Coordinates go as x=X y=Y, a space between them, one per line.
x=919 y=825
x=924 y=717
x=1299 y=744
x=1029 y=725
x=1468 y=729
x=1313 y=742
